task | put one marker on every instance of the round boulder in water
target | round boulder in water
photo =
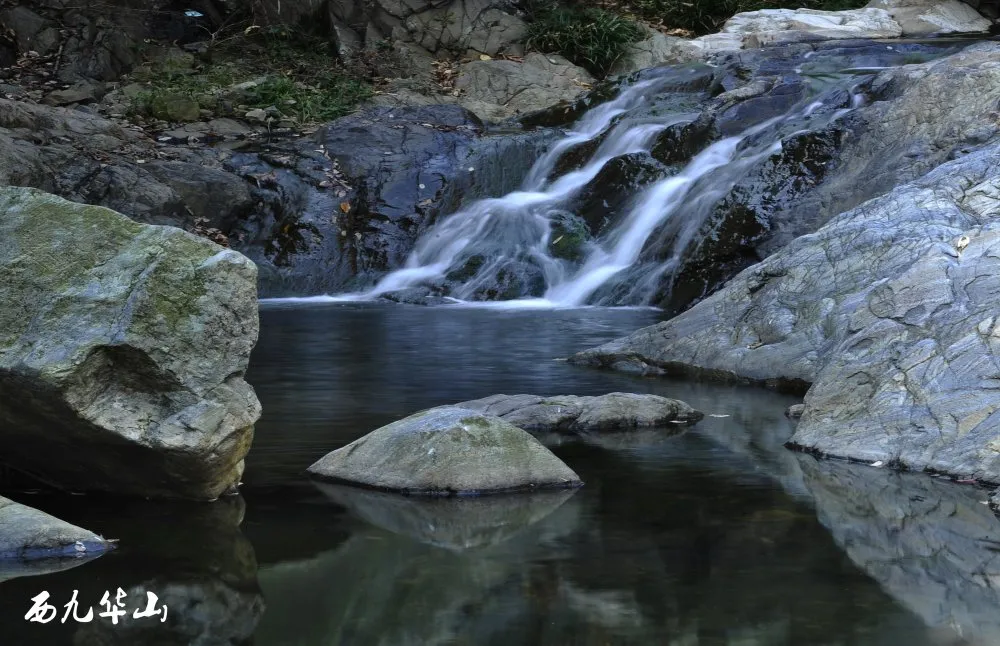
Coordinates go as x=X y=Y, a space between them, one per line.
x=447 y=451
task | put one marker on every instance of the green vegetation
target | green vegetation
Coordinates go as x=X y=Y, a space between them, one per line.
x=587 y=36
x=298 y=75
x=707 y=16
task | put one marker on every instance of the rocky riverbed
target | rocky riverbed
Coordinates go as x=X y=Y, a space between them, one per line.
x=807 y=196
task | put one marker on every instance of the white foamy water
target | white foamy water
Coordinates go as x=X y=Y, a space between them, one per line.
x=488 y=236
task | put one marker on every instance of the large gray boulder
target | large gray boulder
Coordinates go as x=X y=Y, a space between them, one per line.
x=775 y=26
x=572 y=414
x=447 y=451
x=656 y=49
x=28 y=534
x=888 y=311
x=911 y=384
x=499 y=89
x=924 y=17
x=122 y=351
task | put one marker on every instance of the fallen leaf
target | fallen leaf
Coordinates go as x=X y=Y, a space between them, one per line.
x=485 y=57
x=345 y=207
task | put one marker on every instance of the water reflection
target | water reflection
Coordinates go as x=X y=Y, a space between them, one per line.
x=705 y=537
x=931 y=544
x=192 y=556
x=10 y=569
x=451 y=523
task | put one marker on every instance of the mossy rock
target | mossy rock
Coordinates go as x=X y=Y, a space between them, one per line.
x=122 y=351
x=447 y=451
x=569 y=237
x=174 y=107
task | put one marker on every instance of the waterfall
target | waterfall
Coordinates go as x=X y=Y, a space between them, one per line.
x=501 y=236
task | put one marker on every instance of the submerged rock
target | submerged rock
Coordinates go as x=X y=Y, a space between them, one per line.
x=27 y=534
x=572 y=414
x=448 y=522
x=122 y=351
x=447 y=451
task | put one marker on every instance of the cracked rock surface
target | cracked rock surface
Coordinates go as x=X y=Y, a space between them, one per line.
x=889 y=311
x=122 y=351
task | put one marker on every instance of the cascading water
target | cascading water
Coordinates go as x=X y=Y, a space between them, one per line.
x=494 y=237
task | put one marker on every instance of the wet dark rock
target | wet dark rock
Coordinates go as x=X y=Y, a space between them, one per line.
x=415 y=296
x=681 y=141
x=507 y=278
x=572 y=414
x=606 y=199
x=569 y=237
x=762 y=205
x=344 y=209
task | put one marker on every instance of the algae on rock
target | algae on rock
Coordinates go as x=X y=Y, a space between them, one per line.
x=122 y=351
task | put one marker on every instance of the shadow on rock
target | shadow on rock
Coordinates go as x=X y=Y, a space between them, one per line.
x=452 y=523
x=931 y=544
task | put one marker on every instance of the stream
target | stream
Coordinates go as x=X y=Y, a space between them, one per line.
x=713 y=535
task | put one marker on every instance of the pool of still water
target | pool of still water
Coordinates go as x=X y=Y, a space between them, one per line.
x=713 y=535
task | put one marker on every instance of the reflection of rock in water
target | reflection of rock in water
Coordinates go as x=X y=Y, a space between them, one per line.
x=193 y=556
x=14 y=569
x=382 y=587
x=454 y=523
x=644 y=438
x=199 y=613
x=931 y=544
x=209 y=584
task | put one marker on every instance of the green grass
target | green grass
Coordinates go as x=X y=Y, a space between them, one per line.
x=707 y=16
x=587 y=36
x=298 y=75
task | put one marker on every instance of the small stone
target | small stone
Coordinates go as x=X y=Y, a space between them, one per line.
x=256 y=115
